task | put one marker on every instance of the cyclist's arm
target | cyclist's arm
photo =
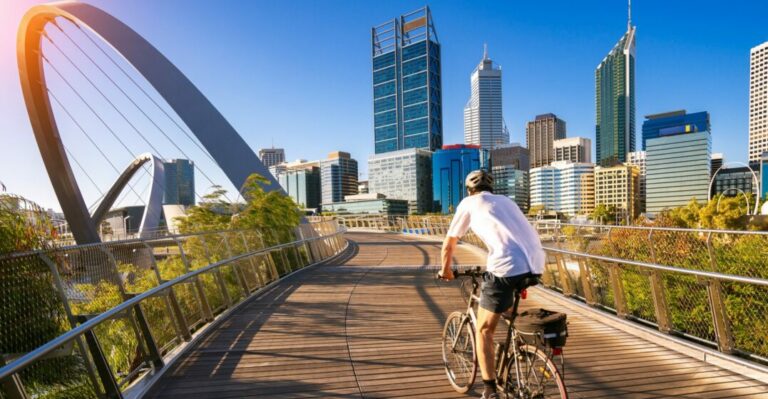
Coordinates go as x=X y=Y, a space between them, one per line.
x=459 y=227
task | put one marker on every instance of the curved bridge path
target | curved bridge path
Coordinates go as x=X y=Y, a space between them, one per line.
x=369 y=326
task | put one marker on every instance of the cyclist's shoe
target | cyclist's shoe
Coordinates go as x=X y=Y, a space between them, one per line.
x=491 y=396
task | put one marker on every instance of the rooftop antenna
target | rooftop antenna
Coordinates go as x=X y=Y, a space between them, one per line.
x=485 y=51
x=629 y=15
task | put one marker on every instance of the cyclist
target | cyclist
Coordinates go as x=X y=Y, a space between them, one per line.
x=514 y=253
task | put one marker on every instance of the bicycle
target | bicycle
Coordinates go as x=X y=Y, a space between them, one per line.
x=524 y=370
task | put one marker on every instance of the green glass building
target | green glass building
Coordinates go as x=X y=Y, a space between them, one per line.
x=407 y=91
x=615 y=102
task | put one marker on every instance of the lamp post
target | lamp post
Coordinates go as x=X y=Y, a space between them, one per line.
x=754 y=176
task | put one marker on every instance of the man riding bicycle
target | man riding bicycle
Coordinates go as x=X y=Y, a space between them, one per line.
x=514 y=253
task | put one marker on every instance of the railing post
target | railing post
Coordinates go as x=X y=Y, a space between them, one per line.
x=720 y=320
x=217 y=274
x=108 y=382
x=614 y=272
x=723 y=332
x=236 y=267
x=254 y=266
x=142 y=326
x=660 y=305
x=59 y=283
x=11 y=387
x=562 y=271
x=179 y=321
x=205 y=306
x=586 y=282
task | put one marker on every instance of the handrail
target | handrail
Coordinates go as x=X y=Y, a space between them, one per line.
x=654 y=228
x=23 y=361
x=698 y=273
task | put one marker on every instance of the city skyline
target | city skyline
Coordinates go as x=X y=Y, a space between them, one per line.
x=460 y=50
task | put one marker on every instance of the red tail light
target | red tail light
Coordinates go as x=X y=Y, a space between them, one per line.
x=524 y=294
x=557 y=351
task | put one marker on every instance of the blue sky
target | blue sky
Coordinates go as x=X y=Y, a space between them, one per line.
x=298 y=72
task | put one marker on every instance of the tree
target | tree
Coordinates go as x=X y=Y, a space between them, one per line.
x=536 y=210
x=211 y=214
x=605 y=214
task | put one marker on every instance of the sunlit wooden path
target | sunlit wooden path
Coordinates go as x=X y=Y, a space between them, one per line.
x=369 y=326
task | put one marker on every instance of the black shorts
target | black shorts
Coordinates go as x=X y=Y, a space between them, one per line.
x=497 y=293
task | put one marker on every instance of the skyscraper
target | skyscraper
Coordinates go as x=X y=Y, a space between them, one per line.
x=179 y=182
x=301 y=181
x=513 y=183
x=483 y=122
x=450 y=166
x=338 y=177
x=615 y=101
x=619 y=186
x=540 y=135
x=758 y=102
x=573 y=149
x=407 y=91
x=271 y=156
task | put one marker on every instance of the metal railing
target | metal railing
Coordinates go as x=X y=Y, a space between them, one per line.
x=100 y=320
x=709 y=286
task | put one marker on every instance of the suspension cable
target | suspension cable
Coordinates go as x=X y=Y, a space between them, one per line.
x=143 y=112
x=66 y=111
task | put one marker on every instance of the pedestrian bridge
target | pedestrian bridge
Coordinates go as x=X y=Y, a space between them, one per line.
x=358 y=314
x=368 y=324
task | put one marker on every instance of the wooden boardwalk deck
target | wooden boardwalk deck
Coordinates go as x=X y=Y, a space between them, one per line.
x=368 y=328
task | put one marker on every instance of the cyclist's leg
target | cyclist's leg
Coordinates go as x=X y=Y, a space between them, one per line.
x=486 y=326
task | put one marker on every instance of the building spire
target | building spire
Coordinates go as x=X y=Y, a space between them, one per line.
x=629 y=15
x=485 y=51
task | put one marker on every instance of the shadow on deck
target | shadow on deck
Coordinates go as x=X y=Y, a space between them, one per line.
x=365 y=328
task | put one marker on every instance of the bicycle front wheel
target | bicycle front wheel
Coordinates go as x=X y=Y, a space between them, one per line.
x=459 y=356
x=538 y=376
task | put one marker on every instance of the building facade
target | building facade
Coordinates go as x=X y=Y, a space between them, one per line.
x=303 y=185
x=564 y=187
x=675 y=122
x=677 y=168
x=338 y=177
x=638 y=158
x=405 y=175
x=619 y=186
x=179 y=182
x=271 y=156
x=758 y=102
x=540 y=135
x=513 y=155
x=483 y=122
x=407 y=89
x=450 y=166
x=368 y=204
x=764 y=175
x=615 y=102
x=573 y=149
x=734 y=181
x=512 y=183
x=716 y=162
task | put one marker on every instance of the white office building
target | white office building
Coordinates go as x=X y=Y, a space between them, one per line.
x=404 y=175
x=573 y=149
x=637 y=158
x=566 y=187
x=483 y=122
x=758 y=102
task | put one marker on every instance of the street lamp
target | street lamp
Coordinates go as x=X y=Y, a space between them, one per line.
x=754 y=176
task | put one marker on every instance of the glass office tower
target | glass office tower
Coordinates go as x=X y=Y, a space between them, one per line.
x=677 y=168
x=513 y=183
x=338 y=177
x=405 y=174
x=450 y=166
x=675 y=122
x=407 y=91
x=179 y=182
x=615 y=102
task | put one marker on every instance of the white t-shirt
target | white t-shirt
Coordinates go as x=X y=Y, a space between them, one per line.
x=513 y=244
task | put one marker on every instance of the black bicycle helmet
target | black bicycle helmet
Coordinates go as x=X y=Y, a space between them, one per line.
x=479 y=180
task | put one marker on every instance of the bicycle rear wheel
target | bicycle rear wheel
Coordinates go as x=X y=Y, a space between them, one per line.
x=459 y=356
x=539 y=377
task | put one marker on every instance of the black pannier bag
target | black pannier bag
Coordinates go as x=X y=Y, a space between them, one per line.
x=540 y=326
